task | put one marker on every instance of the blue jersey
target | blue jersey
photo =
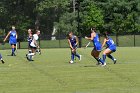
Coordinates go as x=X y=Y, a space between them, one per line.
x=96 y=42
x=110 y=44
x=13 y=37
x=73 y=41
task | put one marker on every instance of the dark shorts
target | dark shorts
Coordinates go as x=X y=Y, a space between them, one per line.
x=32 y=47
x=13 y=44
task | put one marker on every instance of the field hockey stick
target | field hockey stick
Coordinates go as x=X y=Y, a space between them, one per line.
x=87 y=44
x=16 y=47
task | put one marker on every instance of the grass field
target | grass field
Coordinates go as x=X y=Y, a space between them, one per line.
x=51 y=73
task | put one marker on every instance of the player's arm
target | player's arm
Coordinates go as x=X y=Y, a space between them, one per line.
x=6 y=36
x=70 y=44
x=104 y=42
x=77 y=41
x=35 y=42
x=16 y=35
x=90 y=38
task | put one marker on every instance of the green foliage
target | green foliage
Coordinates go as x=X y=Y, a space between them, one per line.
x=117 y=16
x=91 y=15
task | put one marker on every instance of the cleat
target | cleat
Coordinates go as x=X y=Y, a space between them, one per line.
x=2 y=61
x=115 y=60
x=103 y=64
x=80 y=58
x=71 y=62
x=13 y=54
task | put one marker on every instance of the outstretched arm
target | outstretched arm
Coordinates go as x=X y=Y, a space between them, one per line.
x=6 y=37
x=90 y=38
x=104 y=43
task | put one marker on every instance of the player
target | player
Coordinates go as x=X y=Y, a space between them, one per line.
x=29 y=38
x=97 y=45
x=12 y=39
x=111 y=47
x=73 y=41
x=33 y=46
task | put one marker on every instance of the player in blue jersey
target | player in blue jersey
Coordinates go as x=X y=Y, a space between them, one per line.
x=97 y=45
x=111 y=47
x=73 y=42
x=12 y=39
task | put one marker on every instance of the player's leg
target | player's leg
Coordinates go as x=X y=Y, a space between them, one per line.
x=107 y=52
x=30 y=55
x=13 y=50
x=77 y=55
x=113 y=49
x=96 y=54
x=1 y=59
x=72 y=56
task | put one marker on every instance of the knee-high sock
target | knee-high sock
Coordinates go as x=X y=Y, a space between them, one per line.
x=30 y=55
x=0 y=57
x=77 y=55
x=99 y=60
x=104 y=57
x=111 y=57
x=13 y=50
x=72 y=56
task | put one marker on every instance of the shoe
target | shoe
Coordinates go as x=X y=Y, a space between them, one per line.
x=80 y=58
x=27 y=57
x=71 y=62
x=115 y=61
x=2 y=61
x=13 y=54
x=103 y=64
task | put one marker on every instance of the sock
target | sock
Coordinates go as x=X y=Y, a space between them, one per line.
x=99 y=60
x=77 y=55
x=104 y=58
x=111 y=57
x=96 y=59
x=30 y=55
x=72 y=56
x=13 y=50
x=0 y=57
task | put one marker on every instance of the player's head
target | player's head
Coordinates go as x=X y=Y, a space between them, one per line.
x=93 y=29
x=29 y=31
x=106 y=35
x=13 y=27
x=70 y=34
x=38 y=32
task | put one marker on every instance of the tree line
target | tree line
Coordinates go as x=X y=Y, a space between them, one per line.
x=115 y=16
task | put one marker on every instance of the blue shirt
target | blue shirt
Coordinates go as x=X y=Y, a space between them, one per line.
x=96 y=41
x=13 y=35
x=73 y=41
x=110 y=42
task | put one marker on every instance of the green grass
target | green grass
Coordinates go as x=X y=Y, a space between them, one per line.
x=51 y=73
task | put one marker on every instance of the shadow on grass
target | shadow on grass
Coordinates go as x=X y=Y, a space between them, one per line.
x=90 y=66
